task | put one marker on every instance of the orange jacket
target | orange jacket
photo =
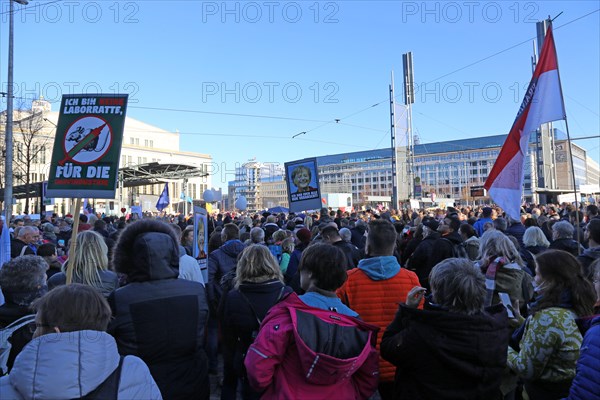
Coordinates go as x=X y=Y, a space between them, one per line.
x=376 y=301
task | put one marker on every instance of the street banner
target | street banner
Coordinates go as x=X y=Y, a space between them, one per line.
x=303 y=185
x=87 y=146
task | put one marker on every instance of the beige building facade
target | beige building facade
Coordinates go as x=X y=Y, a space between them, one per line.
x=33 y=137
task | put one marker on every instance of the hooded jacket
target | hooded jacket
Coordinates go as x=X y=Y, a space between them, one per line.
x=374 y=290
x=445 y=355
x=157 y=317
x=72 y=364
x=303 y=352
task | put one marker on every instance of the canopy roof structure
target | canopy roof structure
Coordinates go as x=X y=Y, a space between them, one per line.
x=138 y=175
x=149 y=174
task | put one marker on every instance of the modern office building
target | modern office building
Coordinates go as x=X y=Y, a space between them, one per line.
x=259 y=183
x=144 y=146
x=274 y=192
x=449 y=170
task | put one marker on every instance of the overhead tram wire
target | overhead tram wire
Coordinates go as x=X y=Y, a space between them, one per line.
x=249 y=137
x=30 y=6
x=226 y=114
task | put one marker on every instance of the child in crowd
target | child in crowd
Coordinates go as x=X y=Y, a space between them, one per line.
x=287 y=248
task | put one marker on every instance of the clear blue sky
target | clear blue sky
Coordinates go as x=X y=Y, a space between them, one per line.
x=311 y=62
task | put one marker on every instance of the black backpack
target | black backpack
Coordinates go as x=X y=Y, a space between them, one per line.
x=243 y=343
x=458 y=249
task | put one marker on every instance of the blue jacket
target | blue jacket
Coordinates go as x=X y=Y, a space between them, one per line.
x=586 y=384
x=70 y=365
x=478 y=226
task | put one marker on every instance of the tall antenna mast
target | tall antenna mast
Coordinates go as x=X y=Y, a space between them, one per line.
x=409 y=99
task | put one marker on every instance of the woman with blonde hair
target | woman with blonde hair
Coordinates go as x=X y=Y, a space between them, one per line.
x=90 y=265
x=258 y=286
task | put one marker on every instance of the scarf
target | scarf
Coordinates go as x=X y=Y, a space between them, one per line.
x=490 y=279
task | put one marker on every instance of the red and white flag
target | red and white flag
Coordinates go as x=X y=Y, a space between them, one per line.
x=542 y=103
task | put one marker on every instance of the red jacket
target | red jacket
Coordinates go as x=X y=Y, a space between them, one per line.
x=302 y=352
x=374 y=290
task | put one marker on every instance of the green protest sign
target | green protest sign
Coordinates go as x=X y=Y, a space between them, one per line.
x=87 y=146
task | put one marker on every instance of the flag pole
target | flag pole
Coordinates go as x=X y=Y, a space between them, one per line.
x=395 y=188
x=569 y=142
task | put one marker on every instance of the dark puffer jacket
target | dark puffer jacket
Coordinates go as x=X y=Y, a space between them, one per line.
x=586 y=384
x=221 y=262
x=157 y=317
x=421 y=259
x=445 y=355
x=568 y=245
x=443 y=248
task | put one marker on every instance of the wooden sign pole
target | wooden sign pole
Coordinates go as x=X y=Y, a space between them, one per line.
x=73 y=244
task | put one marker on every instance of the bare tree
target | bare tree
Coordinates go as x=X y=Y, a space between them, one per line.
x=30 y=147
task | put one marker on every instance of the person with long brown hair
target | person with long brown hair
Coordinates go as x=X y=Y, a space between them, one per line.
x=550 y=345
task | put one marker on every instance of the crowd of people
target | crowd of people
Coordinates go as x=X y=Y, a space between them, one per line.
x=415 y=304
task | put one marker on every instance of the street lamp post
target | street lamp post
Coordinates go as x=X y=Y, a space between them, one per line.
x=8 y=137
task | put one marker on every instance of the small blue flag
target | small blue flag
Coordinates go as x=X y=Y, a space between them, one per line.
x=163 y=200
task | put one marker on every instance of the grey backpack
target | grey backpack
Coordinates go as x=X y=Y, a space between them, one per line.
x=6 y=345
